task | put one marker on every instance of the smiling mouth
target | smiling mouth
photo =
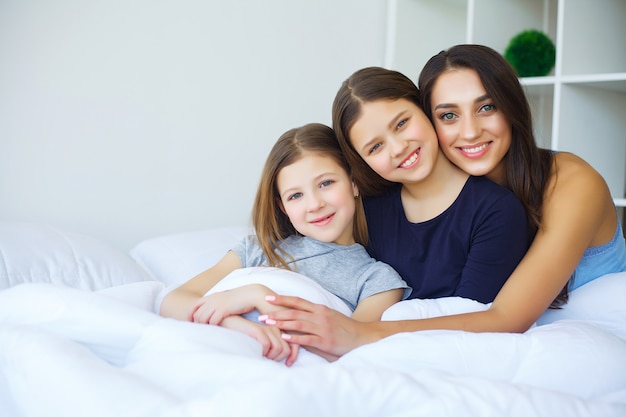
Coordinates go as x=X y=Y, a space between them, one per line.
x=323 y=220
x=475 y=149
x=410 y=160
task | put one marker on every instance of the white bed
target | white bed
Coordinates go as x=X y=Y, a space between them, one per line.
x=78 y=337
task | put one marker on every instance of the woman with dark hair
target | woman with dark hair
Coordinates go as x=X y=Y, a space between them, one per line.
x=484 y=125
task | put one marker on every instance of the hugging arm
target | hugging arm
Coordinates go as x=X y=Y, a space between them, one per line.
x=577 y=206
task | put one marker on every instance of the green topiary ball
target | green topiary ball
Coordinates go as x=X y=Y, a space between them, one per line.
x=531 y=53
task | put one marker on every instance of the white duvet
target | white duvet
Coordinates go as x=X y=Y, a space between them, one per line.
x=69 y=352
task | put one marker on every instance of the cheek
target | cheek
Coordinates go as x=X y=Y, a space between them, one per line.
x=445 y=135
x=378 y=164
x=291 y=212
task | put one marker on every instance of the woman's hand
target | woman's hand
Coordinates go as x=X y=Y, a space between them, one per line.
x=316 y=327
x=273 y=345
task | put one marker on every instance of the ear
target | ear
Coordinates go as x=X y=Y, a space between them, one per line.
x=355 y=190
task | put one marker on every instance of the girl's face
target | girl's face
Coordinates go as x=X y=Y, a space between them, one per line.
x=396 y=139
x=318 y=196
x=472 y=132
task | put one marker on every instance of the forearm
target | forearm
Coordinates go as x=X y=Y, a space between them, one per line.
x=177 y=304
x=490 y=320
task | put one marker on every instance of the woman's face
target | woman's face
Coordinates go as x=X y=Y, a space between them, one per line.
x=472 y=132
x=396 y=139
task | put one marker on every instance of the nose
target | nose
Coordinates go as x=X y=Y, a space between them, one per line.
x=470 y=128
x=397 y=146
x=314 y=202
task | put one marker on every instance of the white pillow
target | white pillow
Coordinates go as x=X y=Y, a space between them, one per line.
x=174 y=259
x=283 y=282
x=601 y=302
x=435 y=307
x=42 y=254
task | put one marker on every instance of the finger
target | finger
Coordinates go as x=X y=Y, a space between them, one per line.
x=290 y=302
x=303 y=340
x=215 y=319
x=192 y=313
x=202 y=315
x=280 y=348
x=293 y=354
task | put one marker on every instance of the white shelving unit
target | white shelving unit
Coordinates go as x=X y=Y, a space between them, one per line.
x=579 y=107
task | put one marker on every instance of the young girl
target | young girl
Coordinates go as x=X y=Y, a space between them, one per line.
x=308 y=217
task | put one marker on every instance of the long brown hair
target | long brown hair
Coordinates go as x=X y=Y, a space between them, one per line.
x=367 y=85
x=270 y=223
x=528 y=167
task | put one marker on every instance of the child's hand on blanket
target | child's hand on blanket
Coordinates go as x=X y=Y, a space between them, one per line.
x=215 y=307
x=273 y=345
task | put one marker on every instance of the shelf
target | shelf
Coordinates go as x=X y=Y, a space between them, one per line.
x=580 y=107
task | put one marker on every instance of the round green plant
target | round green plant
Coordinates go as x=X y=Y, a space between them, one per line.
x=531 y=53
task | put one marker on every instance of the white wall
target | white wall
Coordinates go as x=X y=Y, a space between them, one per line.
x=130 y=119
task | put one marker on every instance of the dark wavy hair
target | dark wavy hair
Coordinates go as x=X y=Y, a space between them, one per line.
x=528 y=167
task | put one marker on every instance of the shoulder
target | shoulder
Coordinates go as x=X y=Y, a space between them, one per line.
x=389 y=201
x=577 y=194
x=486 y=193
x=485 y=184
x=572 y=178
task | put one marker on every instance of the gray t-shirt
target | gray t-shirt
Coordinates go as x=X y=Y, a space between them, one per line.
x=346 y=271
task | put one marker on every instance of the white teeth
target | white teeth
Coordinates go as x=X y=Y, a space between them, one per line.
x=474 y=150
x=410 y=161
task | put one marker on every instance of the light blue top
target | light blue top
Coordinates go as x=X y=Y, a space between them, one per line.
x=601 y=260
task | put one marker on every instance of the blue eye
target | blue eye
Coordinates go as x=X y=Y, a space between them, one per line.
x=326 y=183
x=488 y=107
x=401 y=123
x=294 y=196
x=374 y=148
x=446 y=116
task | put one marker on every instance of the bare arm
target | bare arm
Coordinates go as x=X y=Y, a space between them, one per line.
x=180 y=302
x=577 y=213
x=373 y=307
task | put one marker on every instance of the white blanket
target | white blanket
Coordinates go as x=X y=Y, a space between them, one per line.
x=68 y=352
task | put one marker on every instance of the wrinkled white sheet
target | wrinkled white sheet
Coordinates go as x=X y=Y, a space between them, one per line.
x=67 y=352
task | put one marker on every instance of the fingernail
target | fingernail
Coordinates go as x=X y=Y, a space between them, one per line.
x=286 y=336
x=262 y=317
x=270 y=298
x=270 y=321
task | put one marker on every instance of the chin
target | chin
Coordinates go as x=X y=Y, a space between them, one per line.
x=475 y=170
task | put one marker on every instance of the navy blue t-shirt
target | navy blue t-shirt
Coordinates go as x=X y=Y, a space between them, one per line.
x=469 y=250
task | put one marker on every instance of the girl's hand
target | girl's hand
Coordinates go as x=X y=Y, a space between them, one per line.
x=316 y=327
x=213 y=308
x=273 y=345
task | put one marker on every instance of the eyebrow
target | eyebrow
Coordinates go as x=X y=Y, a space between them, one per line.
x=451 y=105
